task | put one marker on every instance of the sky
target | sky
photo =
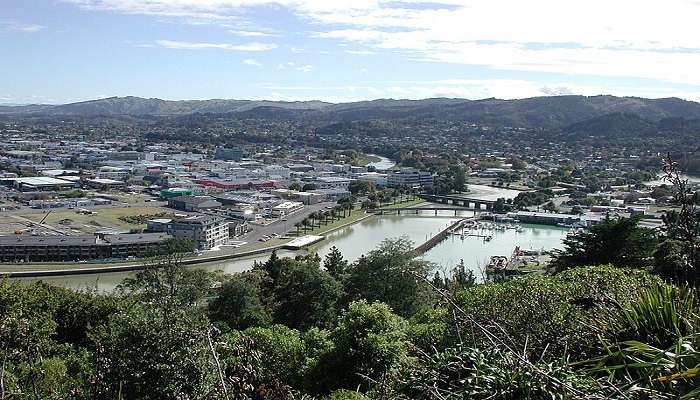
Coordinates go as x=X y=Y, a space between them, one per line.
x=60 y=51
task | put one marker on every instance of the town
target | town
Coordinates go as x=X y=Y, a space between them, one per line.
x=75 y=197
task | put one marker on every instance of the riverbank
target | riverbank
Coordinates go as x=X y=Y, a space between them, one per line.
x=37 y=270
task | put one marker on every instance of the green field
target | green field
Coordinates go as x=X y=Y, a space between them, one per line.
x=103 y=218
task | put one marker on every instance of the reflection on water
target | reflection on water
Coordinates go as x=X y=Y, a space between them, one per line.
x=476 y=252
x=360 y=238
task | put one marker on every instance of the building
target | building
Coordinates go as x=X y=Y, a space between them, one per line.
x=105 y=183
x=333 y=194
x=175 y=192
x=410 y=177
x=116 y=173
x=20 y=248
x=193 y=203
x=228 y=154
x=41 y=183
x=378 y=179
x=286 y=208
x=332 y=182
x=204 y=231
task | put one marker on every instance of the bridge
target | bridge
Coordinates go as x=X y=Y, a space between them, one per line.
x=416 y=210
x=466 y=202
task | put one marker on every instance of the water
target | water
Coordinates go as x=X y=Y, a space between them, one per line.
x=483 y=192
x=360 y=238
x=383 y=163
x=476 y=253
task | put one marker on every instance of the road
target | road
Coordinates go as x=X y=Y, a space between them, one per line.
x=281 y=227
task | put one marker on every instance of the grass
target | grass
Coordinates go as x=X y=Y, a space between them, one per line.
x=354 y=216
x=405 y=204
x=104 y=218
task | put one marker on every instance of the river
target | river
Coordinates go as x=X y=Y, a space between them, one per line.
x=360 y=238
x=383 y=164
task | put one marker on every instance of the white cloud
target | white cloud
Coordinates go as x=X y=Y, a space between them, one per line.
x=298 y=67
x=251 y=61
x=361 y=52
x=254 y=46
x=658 y=40
x=471 y=89
x=16 y=26
x=249 y=33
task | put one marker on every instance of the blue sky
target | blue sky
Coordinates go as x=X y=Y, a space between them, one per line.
x=57 y=51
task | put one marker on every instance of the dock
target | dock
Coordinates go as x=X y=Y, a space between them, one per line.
x=432 y=242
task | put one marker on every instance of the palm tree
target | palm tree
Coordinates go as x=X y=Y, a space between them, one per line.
x=297 y=225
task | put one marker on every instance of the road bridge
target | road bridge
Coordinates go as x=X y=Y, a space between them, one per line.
x=466 y=202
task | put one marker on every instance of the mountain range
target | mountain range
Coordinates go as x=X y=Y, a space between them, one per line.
x=551 y=112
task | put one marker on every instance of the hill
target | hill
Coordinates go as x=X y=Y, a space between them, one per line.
x=552 y=112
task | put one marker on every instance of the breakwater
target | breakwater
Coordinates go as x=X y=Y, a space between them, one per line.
x=440 y=236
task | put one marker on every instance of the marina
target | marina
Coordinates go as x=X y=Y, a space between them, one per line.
x=364 y=236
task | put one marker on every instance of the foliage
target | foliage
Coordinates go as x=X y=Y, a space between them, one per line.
x=551 y=314
x=659 y=316
x=678 y=257
x=369 y=341
x=492 y=373
x=618 y=241
x=392 y=275
x=239 y=303
x=335 y=264
x=305 y=295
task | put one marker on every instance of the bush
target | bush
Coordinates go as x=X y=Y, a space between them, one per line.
x=549 y=313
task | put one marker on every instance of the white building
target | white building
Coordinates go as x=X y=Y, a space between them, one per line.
x=286 y=208
x=410 y=177
x=204 y=231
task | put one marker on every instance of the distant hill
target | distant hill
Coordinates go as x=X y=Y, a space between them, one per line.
x=580 y=114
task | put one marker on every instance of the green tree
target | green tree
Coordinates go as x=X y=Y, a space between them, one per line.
x=617 y=241
x=678 y=257
x=335 y=264
x=239 y=302
x=369 y=342
x=305 y=295
x=391 y=274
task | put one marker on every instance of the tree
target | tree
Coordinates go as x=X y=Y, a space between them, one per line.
x=617 y=241
x=360 y=187
x=369 y=341
x=308 y=187
x=678 y=256
x=392 y=275
x=239 y=303
x=335 y=264
x=296 y=186
x=305 y=296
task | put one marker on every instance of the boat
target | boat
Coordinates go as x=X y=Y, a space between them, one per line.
x=498 y=263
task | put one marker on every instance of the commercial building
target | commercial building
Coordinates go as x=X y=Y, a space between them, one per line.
x=193 y=203
x=410 y=177
x=204 y=231
x=116 y=173
x=175 y=192
x=19 y=248
x=286 y=208
x=332 y=182
x=40 y=183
